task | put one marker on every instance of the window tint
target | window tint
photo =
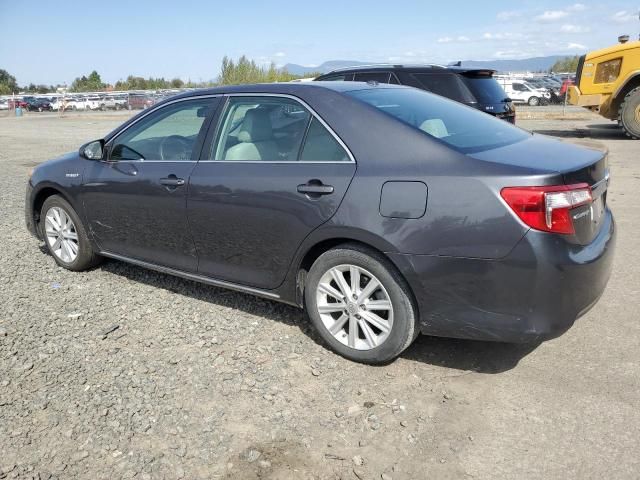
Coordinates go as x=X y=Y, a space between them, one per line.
x=261 y=129
x=380 y=77
x=334 y=78
x=518 y=87
x=462 y=128
x=168 y=134
x=445 y=84
x=485 y=89
x=321 y=146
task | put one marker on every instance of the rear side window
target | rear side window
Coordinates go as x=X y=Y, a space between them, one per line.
x=445 y=84
x=464 y=129
x=380 y=77
x=320 y=146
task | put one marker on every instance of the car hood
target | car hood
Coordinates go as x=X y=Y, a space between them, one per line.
x=542 y=153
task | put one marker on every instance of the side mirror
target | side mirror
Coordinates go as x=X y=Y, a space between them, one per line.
x=92 y=150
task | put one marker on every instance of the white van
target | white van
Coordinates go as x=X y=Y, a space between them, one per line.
x=522 y=92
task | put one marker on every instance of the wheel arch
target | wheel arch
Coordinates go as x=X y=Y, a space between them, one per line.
x=40 y=197
x=314 y=249
x=632 y=82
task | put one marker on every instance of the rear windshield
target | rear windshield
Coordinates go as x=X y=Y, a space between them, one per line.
x=485 y=89
x=445 y=84
x=465 y=129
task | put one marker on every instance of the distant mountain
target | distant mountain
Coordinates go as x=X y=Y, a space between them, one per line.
x=535 y=64
x=523 y=65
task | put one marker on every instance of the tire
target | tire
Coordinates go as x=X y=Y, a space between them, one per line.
x=400 y=319
x=85 y=257
x=629 y=114
x=533 y=101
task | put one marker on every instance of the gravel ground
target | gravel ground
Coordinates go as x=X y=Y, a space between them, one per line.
x=126 y=373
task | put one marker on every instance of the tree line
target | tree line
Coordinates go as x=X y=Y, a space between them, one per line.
x=566 y=64
x=232 y=72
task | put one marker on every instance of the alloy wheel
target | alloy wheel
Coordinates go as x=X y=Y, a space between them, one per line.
x=354 y=307
x=61 y=234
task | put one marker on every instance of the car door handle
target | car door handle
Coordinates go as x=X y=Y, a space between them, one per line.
x=315 y=189
x=172 y=181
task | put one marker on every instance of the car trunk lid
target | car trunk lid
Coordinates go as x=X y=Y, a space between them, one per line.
x=572 y=165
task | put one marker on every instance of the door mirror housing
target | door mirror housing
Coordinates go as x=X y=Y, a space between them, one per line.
x=92 y=150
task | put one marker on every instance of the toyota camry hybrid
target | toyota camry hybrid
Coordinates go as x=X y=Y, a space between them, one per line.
x=384 y=211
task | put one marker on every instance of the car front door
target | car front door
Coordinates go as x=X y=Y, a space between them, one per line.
x=135 y=199
x=275 y=173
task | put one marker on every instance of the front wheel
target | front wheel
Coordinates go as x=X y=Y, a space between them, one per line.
x=65 y=236
x=629 y=114
x=360 y=305
x=534 y=101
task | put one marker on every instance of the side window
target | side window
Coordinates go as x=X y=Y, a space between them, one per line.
x=321 y=146
x=518 y=87
x=394 y=80
x=167 y=134
x=380 y=77
x=334 y=78
x=273 y=129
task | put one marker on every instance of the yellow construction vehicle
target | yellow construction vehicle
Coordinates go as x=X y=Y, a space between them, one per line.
x=608 y=82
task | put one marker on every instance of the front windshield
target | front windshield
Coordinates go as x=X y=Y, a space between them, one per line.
x=463 y=128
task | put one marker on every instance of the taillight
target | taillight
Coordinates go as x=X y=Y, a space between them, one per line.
x=547 y=208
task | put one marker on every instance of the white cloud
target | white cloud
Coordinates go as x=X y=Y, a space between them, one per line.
x=459 y=39
x=577 y=7
x=504 y=16
x=624 y=16
x=569 y=28
x=279 y=54
x=551 y=16
x=575 y=46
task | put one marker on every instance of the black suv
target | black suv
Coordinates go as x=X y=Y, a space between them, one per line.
x=474 y=87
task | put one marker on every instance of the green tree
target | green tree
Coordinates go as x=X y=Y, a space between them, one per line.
x=247 y=71
x=92 y=83
x=8 y=84
x=566 y=64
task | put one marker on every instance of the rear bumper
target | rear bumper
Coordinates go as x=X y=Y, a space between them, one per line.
x=535 y=293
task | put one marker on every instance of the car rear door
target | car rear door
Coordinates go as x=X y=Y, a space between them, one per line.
x=273 y=173
x=135 y=200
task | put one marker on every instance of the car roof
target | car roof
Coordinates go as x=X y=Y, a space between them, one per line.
x=289 y=88
x=424 y=68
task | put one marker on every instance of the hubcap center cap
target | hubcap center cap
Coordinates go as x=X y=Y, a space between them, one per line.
x=352 y=308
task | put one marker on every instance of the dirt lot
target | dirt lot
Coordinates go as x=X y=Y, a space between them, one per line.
x=198 y=382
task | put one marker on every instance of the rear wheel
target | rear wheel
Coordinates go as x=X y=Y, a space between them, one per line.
x=629 y=114
x=534 y=101
x=360 y=305
x=65 y=236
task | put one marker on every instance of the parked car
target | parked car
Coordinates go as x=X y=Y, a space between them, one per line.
x=38 y=105
x=453 y=223
x=4 y=105
x=522 y=92
x=139 y=101
x=473 y=87
x=18 y=102
x=58 y=103
x=93 y=103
